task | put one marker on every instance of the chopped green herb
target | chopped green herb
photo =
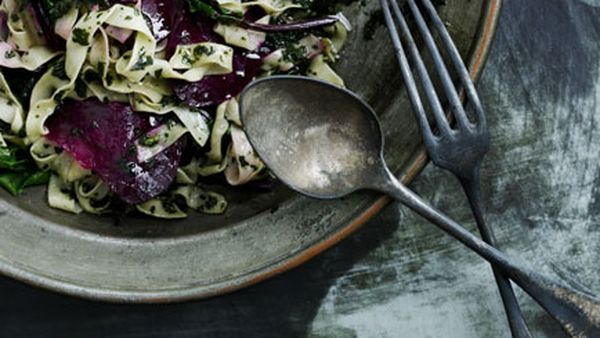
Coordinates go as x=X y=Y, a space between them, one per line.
x=216 y=13
x=91 y=76
x=81 y=36
x=9 y=54
x=143 y=62
x=58 y=69
x=58 y=8
x=150 y=141
x=101 y=68
x=80 y=88
x=202 y=50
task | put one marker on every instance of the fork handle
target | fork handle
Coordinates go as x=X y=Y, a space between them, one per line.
x=577 y=312
x=516 y=321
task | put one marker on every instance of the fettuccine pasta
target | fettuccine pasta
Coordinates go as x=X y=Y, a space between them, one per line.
x=134 y=102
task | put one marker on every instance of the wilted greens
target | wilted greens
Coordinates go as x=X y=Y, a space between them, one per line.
x=17 y=171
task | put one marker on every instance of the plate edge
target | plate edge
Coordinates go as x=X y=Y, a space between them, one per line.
x=479 y=54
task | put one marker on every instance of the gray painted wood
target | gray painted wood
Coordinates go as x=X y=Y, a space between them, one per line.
x=399 y=276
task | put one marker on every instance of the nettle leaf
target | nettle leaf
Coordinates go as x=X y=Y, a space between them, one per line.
x=17 y=171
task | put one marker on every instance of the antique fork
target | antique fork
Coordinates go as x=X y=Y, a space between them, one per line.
x=459 y=150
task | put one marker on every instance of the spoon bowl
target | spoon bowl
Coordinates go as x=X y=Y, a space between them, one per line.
x=313 y=153
x=325 y=142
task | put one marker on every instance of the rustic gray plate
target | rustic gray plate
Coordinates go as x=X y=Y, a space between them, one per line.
x=145 y=260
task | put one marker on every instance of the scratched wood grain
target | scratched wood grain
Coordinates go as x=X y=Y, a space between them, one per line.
x=399 y=276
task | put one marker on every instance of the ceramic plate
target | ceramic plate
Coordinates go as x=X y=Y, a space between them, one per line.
x=262 y=234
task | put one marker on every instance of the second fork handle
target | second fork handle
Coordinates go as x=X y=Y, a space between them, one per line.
x=516 y=321
x=578 y=312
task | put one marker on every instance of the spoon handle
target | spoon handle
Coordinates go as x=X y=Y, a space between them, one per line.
x=578 y=313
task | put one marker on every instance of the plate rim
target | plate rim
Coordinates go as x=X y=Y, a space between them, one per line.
x=479 y=54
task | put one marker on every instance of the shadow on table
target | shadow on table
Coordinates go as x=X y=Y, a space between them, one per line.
x=283 y=306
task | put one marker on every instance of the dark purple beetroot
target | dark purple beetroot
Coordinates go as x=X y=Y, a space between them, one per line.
x=164 y=15
x=189 y=29
x=214 y=89
x=44 y=25
x=101 y=137
x=3 y=25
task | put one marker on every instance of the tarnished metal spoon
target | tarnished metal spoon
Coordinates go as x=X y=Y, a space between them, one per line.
x=325 y=142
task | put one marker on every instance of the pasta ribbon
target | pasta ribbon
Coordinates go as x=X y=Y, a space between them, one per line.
x=113 y=55
x=137 y=71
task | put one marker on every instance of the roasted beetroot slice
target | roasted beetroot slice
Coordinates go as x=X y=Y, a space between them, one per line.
x=188 y=29
x=44 y=25
x=3 y=26
x=214 y=89
x=164 y=15
x=101 y=137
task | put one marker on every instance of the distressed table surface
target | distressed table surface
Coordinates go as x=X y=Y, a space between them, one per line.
x=399 y=276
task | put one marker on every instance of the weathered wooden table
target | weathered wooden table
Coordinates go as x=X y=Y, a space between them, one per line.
x=399 y=276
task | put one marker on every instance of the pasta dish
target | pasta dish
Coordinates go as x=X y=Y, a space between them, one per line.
x=132 y=103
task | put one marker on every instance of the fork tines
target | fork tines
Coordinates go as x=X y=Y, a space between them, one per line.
x=406 y=41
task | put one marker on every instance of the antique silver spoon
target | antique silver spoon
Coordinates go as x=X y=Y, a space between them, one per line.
x=325 y=142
